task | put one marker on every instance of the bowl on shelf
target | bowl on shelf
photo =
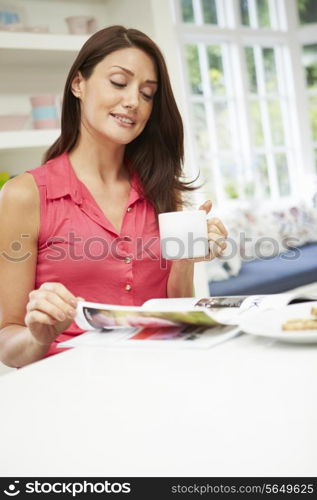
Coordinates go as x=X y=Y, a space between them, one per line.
x=13 y=122
x=37 y=29
x=81 y=25
x=12 y=27
x=44 y=111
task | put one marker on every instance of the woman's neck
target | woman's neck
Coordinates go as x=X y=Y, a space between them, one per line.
x=102 y=162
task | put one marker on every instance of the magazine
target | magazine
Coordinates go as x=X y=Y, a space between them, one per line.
x=199 y=322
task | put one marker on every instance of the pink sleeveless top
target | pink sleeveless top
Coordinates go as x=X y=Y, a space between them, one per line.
x=80 y=248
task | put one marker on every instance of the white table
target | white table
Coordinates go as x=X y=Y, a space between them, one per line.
x=247 y=407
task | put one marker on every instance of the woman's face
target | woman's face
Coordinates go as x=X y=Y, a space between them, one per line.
x=117 y=99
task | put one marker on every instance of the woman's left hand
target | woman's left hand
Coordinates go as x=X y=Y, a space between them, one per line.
x=217 y=235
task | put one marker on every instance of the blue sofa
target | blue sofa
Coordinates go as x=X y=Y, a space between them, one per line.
x=277 y=274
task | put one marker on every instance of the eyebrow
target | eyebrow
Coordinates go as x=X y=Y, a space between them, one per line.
x=132 y=74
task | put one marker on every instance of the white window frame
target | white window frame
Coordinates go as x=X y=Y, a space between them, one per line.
x=291 y=36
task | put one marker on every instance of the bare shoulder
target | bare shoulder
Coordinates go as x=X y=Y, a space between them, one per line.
x=20 y=192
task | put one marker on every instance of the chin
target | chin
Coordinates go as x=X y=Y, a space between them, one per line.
x=121 y=139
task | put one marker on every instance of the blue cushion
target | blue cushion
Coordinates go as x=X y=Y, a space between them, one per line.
x=274 y=275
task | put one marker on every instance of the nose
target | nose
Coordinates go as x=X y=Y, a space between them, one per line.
x=131 y=98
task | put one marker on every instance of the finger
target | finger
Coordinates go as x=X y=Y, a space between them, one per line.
x=206 y=206
x=215 y=229
x=60 y=290
x=214 y=252
x=38 y=317
x=214 y=238
x=48 y=307
x=217 y=222
x=39 y=297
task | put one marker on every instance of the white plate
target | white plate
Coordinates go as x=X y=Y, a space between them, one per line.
x=269 y=324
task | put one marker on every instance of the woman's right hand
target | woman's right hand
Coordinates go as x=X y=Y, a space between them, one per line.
x=50 y=311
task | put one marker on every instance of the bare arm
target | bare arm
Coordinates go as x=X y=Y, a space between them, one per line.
x=181 y=279
x=28 y=323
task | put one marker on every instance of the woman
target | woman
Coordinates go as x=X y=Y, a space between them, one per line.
x=84 y=224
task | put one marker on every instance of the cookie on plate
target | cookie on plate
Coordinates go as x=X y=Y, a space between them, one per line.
x=300 y=324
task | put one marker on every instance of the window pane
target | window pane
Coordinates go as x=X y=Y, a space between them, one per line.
x=228 y=171
x=256 y=124
x=262 y=176
x=307 y=11
x=192 y=59
x=270 y=70
x=249 y=189
x=187 y=11
x=252 y=81
x=263 y=13
x=209 y=11
x=222 y=125
x=206 y=178
x=215 y=72
x=313 y=115
x=244 y=9
x=309 y=59
x=276 y=123
x=201 y=132
x=282 y=174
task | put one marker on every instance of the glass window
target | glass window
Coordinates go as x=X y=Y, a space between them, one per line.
x=309 y=59
x=307 y=11
x=206 y=178
x=244 y=10
x=313 y=115
x=270 y=73
x=230 y=178
x=200 y=129
x=251 y=72
x=255 y=13
x=262 y=177
x=209 y=11
x=192 y=59
x=276 y=124
x=282 y=174
x=256 y=123
x=244 y=112
x=310 y=64
x=215 y=69
x=222 y=122
x=263 y=13
x=187 y=11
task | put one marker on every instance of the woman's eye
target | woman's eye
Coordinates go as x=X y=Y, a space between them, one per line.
x=118 y=84
x=147 y=97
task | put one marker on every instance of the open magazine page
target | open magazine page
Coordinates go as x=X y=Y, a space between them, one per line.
x=94 y=316
x=231 y=309
x=226 y=309
x=181 y=336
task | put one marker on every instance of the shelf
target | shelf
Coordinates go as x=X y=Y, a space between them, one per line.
x=41 y=41
x=27 y=139
x=20 y=48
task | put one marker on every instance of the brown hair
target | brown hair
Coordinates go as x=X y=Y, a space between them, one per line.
x=157 y=153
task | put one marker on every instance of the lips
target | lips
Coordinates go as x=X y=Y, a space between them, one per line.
x=123 y=118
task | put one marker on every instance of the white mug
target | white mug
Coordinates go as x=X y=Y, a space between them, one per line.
x=184 y=234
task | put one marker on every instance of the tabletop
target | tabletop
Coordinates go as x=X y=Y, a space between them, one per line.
x=246 y=407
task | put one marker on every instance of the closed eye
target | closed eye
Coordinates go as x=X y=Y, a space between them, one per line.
x=147 y=97
x=122 y=85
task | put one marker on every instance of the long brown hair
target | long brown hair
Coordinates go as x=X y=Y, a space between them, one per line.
x=157 y=153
